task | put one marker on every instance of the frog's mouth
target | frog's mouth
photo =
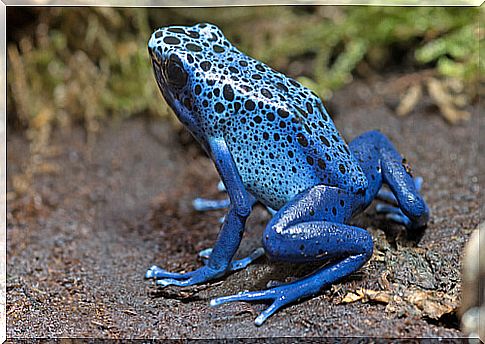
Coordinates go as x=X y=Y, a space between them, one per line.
x=161 y=82
x=163 y=86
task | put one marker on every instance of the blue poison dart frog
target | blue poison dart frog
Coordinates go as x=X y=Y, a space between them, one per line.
x=272 y=141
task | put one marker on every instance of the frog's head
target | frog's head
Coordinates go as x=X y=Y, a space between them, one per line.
x=177 y=54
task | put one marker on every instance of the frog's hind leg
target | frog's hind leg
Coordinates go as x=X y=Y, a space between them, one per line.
x=310 y=228
x=382 y=163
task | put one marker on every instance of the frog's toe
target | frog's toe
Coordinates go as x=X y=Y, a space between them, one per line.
x=157 y=273
x=203 y=204
x=271 y=211
x=386 y=196
x=172 y=281
x=418 y=183
x=394 y=214
x=401 y=219
x=202 y=275
x=388 y=209
x=276 y=295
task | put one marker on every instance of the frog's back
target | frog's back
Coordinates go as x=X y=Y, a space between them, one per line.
x=281 y=137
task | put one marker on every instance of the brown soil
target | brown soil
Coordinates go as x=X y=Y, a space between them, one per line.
x=80 y=243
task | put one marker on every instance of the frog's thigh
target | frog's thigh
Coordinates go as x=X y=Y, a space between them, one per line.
x=311 y=227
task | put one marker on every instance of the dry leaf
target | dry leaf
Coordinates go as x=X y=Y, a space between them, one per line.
x=431 y=303
x=367 y=295
x=351 y=297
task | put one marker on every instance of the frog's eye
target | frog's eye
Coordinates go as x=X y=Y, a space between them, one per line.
x=175 y=73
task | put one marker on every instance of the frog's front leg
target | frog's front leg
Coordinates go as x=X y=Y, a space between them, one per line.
x=311 y=228
x=230 y=235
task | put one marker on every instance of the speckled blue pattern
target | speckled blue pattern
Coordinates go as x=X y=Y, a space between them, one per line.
x=272 y=141
x=278 y=132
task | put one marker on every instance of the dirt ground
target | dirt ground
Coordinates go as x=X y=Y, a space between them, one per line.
x=80 y=243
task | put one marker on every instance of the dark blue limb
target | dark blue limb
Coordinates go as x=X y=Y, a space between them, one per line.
x=382 y=163
x=309 y=229
x=230 y=235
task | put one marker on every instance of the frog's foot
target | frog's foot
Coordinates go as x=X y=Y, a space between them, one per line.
x=202 y=204
x=382 y=164
x=388 y=196
x=156 y=273
x=279 y=296
x=166 y=278
x=285 y=294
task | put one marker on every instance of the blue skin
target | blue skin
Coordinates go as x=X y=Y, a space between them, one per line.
x=273 y=142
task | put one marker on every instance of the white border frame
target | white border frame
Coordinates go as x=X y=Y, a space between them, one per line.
x=134 y=3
